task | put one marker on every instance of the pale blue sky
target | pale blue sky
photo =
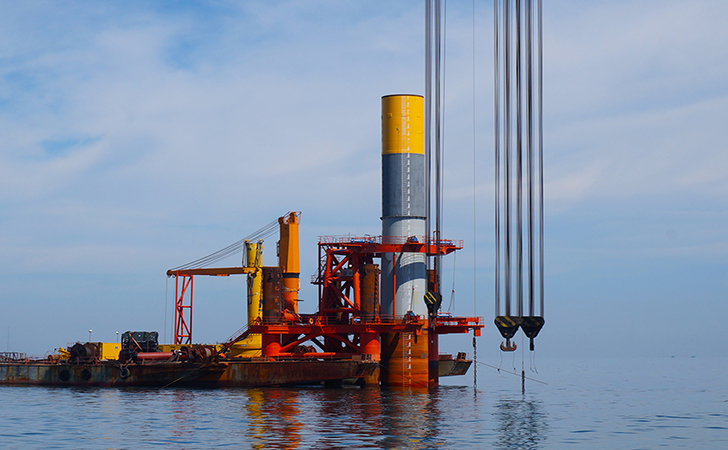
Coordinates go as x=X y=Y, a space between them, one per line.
x=137 y=136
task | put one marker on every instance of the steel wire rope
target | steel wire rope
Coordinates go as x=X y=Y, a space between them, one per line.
x=166 y=299
x=500 y=370
x=518 y=139
x=428 y=124
x=540 y=154
x=507 y=156
x=519 y=162
x=475 y=367
x=437 y=139
x=523 y=367
x=529 y=153
x=266 y=230
x=475 y=259
x=262 y=233
x=183 y=377
x=451 y=306
x=441 y=165
x=497 y=107
x=434 y=126
x=475 y=203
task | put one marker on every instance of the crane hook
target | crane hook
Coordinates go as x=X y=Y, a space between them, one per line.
x=508 y=346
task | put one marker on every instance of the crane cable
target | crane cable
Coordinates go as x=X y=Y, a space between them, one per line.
x=475 y=203
x=451 y=305
x=236 y=247
x=518 y=117
x=540 y=153
x=435 y=32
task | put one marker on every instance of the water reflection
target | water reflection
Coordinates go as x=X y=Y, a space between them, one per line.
x=256 y=420
x=520 y=423
x=337 y=415
x=411 y=420
x=339 y=418
x=273 y=418
x=269 y=418
x=184 y=409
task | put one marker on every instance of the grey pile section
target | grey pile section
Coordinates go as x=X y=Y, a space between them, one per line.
x=403 y=179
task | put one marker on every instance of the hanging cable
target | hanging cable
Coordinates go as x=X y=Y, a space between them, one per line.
x=438 y=121
x=475 y=259
x=166 y=297
x=475 y=365
x=529 y=155
x=523 y=368
x=441 y=171
x=451 y=306
x=475 y=202
x=519 y=166
x=540 y=155
x=234 y=248
x=496 y=96
x=428 y=125
x=499 y=370
x=507 y=153
x=435 y=29
x=518 y=85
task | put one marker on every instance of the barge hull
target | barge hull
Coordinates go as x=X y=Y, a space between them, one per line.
x=101 y=374
x=278 y=373
x=161 y=374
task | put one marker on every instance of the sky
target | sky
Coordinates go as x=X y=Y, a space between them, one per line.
x=138 y=136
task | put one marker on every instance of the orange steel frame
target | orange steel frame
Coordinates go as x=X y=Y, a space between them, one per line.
x=339 y=320
x=182 y=311
x=341 y=262
x=184 y=284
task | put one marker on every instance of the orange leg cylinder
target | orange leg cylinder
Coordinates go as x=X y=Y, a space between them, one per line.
x=271 y=345
x=405 y=361
x=433 y=363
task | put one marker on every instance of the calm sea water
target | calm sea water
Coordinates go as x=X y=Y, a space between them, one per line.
x=587 y=403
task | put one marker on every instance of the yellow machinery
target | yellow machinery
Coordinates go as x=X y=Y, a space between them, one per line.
x=288 y=275
x=288 y=259
x=251 y=345
x=254 y=260
x=107 y=351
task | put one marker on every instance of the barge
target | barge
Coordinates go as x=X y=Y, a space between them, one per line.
x=360 y=333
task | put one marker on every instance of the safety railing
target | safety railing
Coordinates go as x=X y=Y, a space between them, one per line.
x=363 y=319
x=13 y=356
x=459 y=321
x=386 y=240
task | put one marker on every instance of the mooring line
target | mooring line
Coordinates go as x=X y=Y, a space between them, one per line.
x=511 y=373
x=182 y=377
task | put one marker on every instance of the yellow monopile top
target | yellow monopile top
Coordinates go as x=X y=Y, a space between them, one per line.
x=403 y=124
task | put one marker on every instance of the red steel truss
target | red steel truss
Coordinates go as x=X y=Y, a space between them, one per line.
x=183 y=290
x=341 y=259
x=339 y=329
x=182 y=310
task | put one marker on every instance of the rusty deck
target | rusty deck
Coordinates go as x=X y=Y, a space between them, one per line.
x=159 y=374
